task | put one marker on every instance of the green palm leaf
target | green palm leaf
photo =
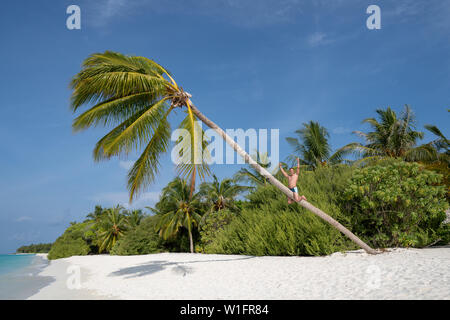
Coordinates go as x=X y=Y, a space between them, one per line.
x=135 y=96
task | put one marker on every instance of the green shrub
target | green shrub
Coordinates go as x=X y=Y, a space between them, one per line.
x=396 y=203
x=75 y=241
x=267 y=225
x=321 y=186
x=444 y=169
x=141 y=240
x=214 y=222
x=264 y=231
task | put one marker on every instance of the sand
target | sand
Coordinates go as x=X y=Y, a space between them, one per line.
x=396 y=274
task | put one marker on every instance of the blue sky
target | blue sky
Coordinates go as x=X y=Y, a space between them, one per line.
x=248 y=64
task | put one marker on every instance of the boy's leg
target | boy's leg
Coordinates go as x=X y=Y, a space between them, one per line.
x=298 y=198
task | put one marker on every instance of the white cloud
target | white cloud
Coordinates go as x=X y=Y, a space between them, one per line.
x=127 y=165
x=405 y=8
x=23 y=219
x=107 y=10
x=318 y=39
x=249 y=13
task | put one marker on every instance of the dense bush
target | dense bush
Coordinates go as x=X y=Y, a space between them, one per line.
x=267 y=225
x=214 y=223
x=396 y=203
x=444 y=169
x=35 y=248
x=141 y=240
x=265 y=231
x=75 y=241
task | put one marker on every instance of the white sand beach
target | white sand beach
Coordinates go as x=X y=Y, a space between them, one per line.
x=396 y=274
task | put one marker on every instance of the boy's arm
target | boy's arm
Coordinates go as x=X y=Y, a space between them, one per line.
x=298 y=166
x=282 y=171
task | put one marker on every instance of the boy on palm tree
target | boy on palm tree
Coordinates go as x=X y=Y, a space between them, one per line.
x=292 y=182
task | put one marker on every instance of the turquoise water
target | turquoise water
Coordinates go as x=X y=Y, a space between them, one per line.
x=13 y=262
x=19 y=277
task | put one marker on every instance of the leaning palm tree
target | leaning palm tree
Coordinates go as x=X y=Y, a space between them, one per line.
x=111 y=227
x=133 y=95
x=180 y=208
x=312 y=147
x=136 y=95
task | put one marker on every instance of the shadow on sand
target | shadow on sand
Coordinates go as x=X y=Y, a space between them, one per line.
x=156 y=266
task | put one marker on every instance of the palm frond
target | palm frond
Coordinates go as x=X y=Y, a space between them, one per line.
x=112 y=111
x=146 y=167
x=193 y=149
x=137 y=132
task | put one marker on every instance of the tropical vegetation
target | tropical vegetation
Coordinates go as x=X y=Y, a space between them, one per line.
x=390 y=190
x=388 y=200
x=35 y=248
x=395 y=136
x=312 y=146
x=135 y=96
x=178 y=208
x=396 y=204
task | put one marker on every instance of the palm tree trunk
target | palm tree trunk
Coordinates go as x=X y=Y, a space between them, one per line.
x=191 y=241
x=192 y=183
x=278 y=184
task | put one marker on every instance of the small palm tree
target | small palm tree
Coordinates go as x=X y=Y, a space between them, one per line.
x=133 y=218
x=111 y=227
x=135 y=96
x=219 y=195
x=178 y=208
x=97 y=214
x=312 y=147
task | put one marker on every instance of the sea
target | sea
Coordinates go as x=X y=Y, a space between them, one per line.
x=19 y=277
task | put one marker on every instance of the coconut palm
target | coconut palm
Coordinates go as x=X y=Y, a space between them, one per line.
x=111 y=227
x=178 y=208
x=136 y=95
x=312 y=147
x=393 y=136
x=132 y=95
x=97 y=214
x=133 y=218
x=219 y=195
x=441 y=143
